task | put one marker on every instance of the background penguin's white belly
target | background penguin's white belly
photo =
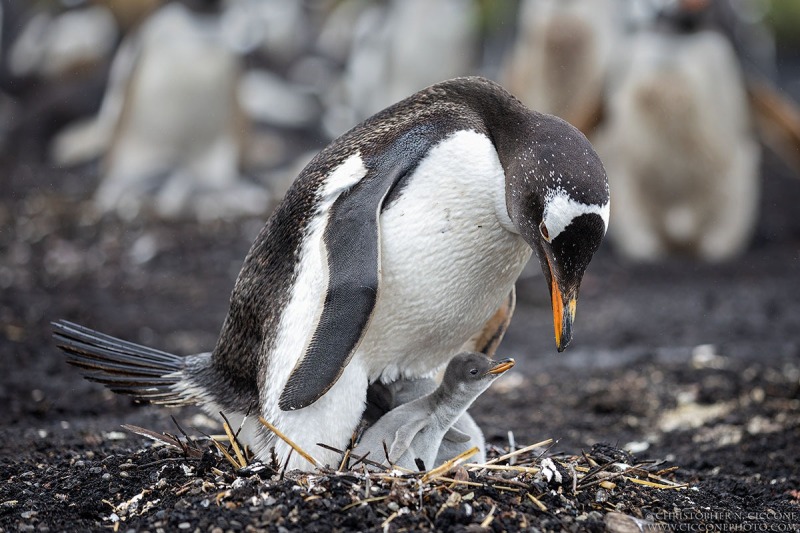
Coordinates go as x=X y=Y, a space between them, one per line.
x=447 y=264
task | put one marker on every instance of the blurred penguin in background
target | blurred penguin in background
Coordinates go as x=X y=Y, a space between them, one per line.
x=676 y=94
x=53 y=64
x=399 y=48
x=559 y=62
x=678 y=143
x=170 y=126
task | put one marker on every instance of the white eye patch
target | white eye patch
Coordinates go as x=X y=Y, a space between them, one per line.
x=560 y=209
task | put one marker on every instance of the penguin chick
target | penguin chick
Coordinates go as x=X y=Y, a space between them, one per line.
x=393 y=250
x=680 y=149
x=402 y=391
x=413 y=432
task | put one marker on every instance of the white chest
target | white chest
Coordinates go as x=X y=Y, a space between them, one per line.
x=446 y=262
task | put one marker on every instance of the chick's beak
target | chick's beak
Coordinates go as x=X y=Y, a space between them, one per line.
x=501 y=366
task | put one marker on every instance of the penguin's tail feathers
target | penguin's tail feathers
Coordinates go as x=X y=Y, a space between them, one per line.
x=124 y=367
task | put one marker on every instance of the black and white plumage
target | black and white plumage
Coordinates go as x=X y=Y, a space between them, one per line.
x=414 y=431
x=392 y=251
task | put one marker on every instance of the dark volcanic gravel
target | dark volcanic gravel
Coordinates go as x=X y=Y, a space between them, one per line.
x=688 y=365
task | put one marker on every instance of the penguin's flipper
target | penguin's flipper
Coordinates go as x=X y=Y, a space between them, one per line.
x=778 y=121
x=455 y=435
x=352 y=241
x=403 y=437
x=589 y=116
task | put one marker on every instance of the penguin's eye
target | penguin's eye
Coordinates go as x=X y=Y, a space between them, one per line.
x=543 y=231
x=473 y=371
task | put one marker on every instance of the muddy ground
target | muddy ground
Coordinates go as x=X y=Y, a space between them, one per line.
x=688 y=365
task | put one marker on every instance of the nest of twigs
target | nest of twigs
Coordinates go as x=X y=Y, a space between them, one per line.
x=604 y=488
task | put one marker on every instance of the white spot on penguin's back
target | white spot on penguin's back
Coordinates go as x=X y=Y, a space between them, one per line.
x=560 y=209
x=350 y=172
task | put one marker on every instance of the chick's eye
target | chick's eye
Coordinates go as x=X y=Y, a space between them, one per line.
x=473 y=371
x=544 y=232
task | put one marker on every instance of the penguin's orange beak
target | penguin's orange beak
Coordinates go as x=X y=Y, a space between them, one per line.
x=564 y=305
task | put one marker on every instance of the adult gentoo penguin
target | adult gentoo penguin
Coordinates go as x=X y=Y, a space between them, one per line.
x=396 y=248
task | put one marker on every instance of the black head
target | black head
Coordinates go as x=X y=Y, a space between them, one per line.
x=557 y=199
